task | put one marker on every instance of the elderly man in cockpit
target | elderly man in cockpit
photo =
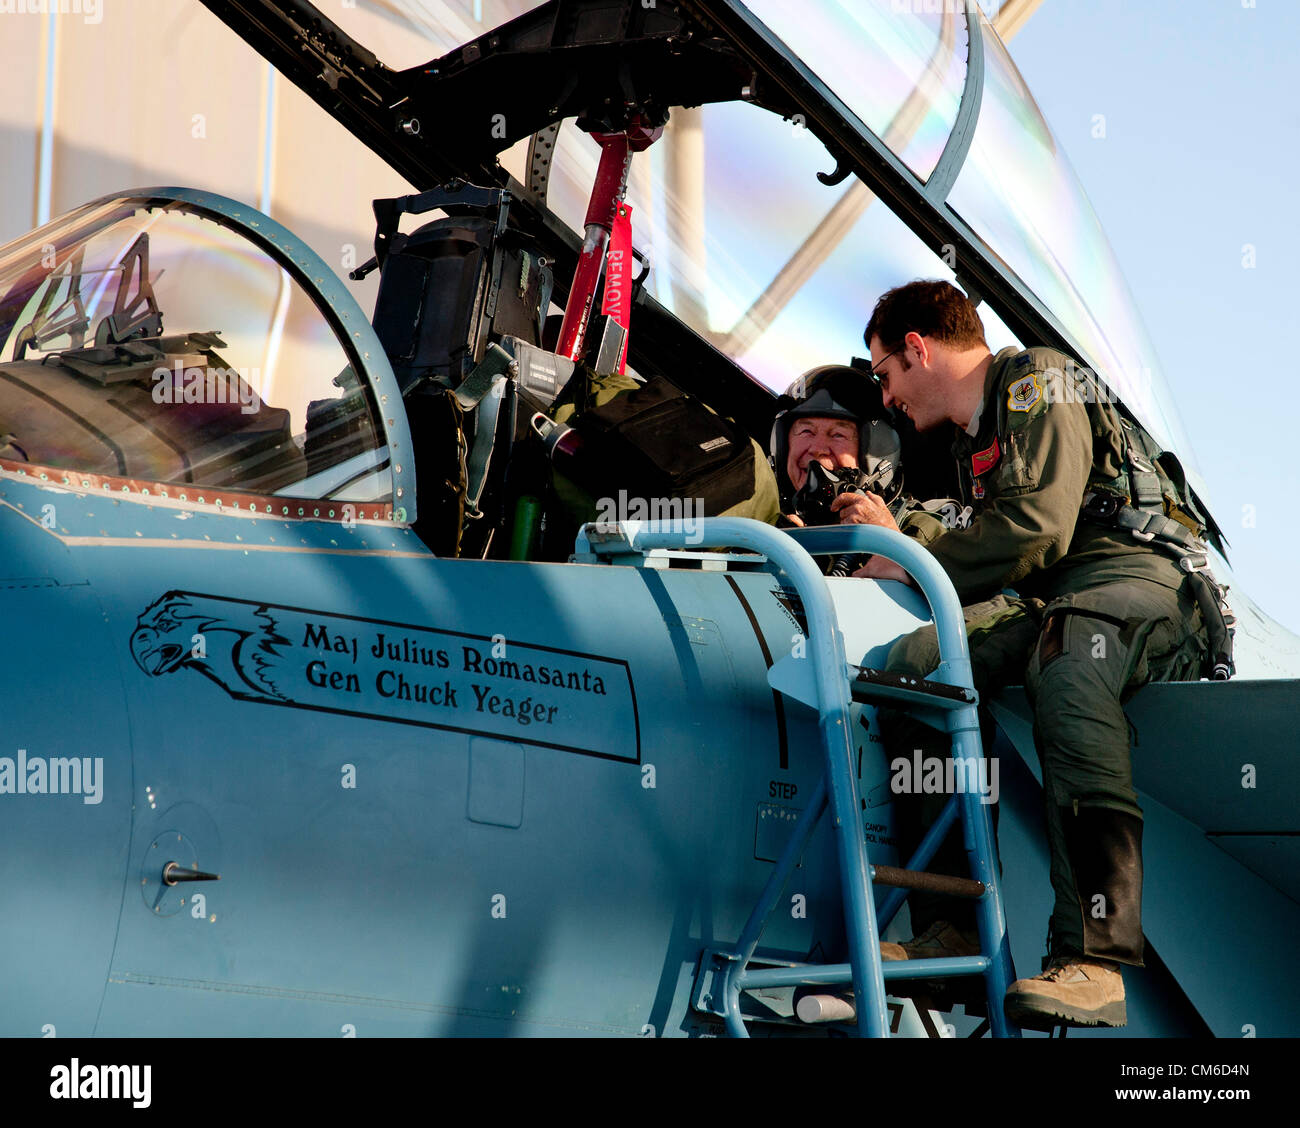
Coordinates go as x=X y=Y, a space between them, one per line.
x=836 y=418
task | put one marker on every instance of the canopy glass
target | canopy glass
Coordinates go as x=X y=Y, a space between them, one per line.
x=144 y=341
x=902 y=77
x=1016 y=189
x=779 y=271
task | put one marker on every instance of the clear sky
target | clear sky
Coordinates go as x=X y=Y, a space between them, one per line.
x=1200 y=158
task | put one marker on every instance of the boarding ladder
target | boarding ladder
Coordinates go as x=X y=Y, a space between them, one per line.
x=826 y=681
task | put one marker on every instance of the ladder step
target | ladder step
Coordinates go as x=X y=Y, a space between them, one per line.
x=869 y=685
x=948 y=966
x=930 y=882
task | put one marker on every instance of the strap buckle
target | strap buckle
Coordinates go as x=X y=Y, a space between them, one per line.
x=1099 y=506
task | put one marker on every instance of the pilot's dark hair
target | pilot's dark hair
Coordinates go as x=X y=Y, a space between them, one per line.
x=932 y=309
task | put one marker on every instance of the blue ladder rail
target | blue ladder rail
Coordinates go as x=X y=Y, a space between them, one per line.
x=822 y=680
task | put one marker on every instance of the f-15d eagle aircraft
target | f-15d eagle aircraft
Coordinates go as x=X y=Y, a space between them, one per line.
x=322 y=714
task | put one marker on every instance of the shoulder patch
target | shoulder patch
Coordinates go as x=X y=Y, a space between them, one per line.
x=985 y=460
x=1024 y=393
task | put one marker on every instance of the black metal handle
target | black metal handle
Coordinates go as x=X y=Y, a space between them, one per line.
x=174 y=873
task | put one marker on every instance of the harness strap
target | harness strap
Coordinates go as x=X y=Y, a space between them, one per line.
x=496 y=362
x=1148 y=526
x=1176 y=540
x=494 y=371
x=1141 y=510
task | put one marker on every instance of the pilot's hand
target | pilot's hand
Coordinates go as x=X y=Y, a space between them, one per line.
x=794 y=519
x=878 y=568
x=863 y=509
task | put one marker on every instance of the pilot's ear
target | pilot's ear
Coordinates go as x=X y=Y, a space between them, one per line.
x=915 y=341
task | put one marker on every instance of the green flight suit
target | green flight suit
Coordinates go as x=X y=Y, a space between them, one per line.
x=1096 y=614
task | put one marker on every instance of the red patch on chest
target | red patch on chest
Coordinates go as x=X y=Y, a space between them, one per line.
x=985 y=460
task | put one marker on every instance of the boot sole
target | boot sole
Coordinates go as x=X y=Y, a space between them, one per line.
x=1041 y=1012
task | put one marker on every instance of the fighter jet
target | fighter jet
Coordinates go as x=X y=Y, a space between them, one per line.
x=330 y=708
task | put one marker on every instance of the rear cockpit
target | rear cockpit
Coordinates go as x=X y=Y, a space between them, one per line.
x=147 y=346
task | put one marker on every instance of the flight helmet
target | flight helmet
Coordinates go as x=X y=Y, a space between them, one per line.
x=836 y=391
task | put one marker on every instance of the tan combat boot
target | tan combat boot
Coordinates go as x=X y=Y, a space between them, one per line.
x=1073 y=991
x=940 y=941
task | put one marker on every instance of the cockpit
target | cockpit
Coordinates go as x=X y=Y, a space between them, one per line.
x=806 y=158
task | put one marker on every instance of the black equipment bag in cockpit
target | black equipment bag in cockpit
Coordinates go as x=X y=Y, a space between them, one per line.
x=659 y=442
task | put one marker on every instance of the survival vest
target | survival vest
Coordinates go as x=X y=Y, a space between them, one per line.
x=1150 y=498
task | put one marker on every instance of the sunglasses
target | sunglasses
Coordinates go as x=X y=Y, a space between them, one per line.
x=876 y=375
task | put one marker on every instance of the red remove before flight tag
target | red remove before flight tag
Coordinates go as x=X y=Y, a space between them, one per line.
x=617 y=302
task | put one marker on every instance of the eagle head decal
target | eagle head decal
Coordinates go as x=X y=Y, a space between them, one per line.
x=235 y=644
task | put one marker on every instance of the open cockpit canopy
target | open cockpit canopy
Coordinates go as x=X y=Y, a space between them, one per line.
x=921 y=100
